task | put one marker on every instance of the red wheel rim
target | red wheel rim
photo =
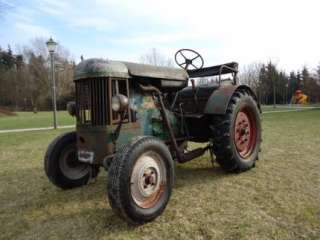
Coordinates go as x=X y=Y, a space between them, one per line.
x=245 y=132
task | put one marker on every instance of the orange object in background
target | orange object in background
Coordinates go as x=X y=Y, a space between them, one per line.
x=299 y=98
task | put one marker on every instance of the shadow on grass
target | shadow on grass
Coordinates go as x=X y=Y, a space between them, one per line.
x=43 y=191
x=92 y=198
x=187 y=176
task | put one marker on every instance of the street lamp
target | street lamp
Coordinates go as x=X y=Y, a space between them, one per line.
x=52 y=45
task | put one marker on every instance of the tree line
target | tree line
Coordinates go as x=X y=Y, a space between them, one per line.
x=272 y=84
x=24 y=77
x=25 y=84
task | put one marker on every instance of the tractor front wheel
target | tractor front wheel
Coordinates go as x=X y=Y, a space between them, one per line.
x=62 y=166
x=237 y=134
x=140 y=180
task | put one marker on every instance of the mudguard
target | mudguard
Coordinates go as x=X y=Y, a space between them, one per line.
x=219 y=99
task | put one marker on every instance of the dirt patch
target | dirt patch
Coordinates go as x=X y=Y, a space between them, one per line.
x=5 y=112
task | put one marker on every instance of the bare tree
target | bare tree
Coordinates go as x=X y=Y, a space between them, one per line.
x=34 y=80
x=155 y=58
x=249 y=74
x=39 y=48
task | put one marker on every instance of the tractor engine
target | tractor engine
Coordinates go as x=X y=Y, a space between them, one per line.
x=98 y=84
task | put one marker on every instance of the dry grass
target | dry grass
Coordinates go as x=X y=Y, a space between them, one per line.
x=279 y=199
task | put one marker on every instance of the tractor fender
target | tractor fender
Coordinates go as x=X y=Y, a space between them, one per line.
x=219 y=99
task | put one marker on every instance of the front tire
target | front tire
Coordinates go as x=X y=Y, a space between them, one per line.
x=237 y=134
x=62 y=166
x=140 y=180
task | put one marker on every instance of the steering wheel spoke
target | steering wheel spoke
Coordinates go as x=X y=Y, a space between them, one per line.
x=195 y=58
x=187 y=61
x=183 y=55
x=194 y=66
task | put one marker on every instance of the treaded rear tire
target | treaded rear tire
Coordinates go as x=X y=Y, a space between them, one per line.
x=119 y=180
x=52 y=162
x=223 y=127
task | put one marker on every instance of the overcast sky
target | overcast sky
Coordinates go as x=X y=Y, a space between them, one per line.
x=286 y=32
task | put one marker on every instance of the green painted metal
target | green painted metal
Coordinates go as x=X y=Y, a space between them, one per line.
x=146 y=70
x=100 y=139
x=94 y=67
x=219 y=99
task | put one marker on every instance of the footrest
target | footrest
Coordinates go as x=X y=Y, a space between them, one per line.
x=185 y=157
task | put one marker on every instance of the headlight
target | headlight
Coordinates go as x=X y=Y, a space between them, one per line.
x=115 y=103
x=71 y=108
x=119 y=103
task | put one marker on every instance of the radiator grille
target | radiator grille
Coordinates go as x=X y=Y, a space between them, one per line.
x=91 y=99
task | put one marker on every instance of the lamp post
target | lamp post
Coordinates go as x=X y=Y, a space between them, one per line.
x=52 y=45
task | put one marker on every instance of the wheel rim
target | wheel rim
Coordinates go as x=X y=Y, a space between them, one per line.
x=148 y=180
x=245 y=132
x=70 y=166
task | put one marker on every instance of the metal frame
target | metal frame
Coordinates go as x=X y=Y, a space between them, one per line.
x=217 y=70
x=181 y=156
x=111 y=112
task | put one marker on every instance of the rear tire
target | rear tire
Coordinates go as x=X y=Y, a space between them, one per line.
x=61 y=164
x=140 y=180
x=237 y=134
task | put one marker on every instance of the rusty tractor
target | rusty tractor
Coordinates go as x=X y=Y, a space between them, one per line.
x=136 y=120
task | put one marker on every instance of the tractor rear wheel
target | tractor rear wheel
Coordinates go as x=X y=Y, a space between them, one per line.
x=237 y=134
x=140 y=180
x=62 y=166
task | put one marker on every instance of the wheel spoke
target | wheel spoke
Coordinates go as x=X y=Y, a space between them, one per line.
x=194 y=66
x=183 y=55
x=195 y=57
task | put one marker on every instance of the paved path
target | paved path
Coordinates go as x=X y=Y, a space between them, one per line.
x=296 y=109
x=34 y=129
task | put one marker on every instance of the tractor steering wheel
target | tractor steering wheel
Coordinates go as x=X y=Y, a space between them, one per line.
x=185 y=62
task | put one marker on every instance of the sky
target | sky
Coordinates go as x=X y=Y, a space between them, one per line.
x=246 y=31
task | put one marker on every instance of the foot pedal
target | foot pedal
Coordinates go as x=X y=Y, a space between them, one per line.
x=185 y=157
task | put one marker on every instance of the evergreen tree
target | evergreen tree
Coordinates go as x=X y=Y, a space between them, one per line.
x=293 y=84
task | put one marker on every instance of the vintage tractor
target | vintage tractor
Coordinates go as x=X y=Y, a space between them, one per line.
x=135 y=120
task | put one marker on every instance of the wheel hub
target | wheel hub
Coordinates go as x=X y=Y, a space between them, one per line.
x=147 y=180
x=70 y=166
x=245 y=132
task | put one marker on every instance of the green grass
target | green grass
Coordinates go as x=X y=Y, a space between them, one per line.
x=269 y=108
x=45 y=119
x=278 y=199
x=34 y=120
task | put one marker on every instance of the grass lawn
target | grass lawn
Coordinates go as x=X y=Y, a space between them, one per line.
x=45 y=119
x=278 y=199
x=32 y=120
x=269 y=108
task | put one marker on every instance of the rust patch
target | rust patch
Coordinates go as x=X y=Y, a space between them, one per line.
x=154 y=198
